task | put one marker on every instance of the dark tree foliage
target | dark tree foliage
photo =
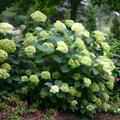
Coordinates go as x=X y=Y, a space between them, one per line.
x=114 y=4
x=90 y=18
x=48 y=7
x=6 y=3
x=115 y=29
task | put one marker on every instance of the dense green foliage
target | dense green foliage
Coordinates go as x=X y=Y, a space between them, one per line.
x=13 y=16
x=49 y=7
x=114 y=4
x=90 y=18
x=115 y=29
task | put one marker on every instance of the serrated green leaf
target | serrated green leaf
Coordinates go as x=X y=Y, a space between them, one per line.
x=57 y=58
x=77 y=84
x=58 y=83
x=89 y=40
x=39 y=60
x=65 y=68
x=44 y=48
x=48 y=84
x=95 y=71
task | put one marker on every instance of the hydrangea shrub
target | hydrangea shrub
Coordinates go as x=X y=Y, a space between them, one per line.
x=65 y=66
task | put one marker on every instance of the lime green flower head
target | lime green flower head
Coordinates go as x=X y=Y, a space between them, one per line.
x=85 y=52
x=62 y=47
x=98 y=103
x=30 y=40
x=99 y=36
x=24 y=78
x=84 y=102
x=38 y=16
x=72 y=91
x=38 y=29
x=8 y=45
x=105 y=106
x=54 y=89
x=34 y=79
x=78 y=28
x=86 y=61
x=44 y=35
x=92 y=54
x=105 y=47
x=65 y=88
x=93 y=98
x=59 y=26
x=56 y=75
x=28 y=71
x=6 y=66
x=49 y=45
x=3 y=74
x=106 y=97
x=6 y=28
x=86 y=33
x=3 y=55
x=111 y=78
x=87 y=82
x=28 y=35
x=78 y=94
x=24 y=89
x=74 y=102
x=30 y=50
x=101 y=86
x=74 y=63
x=79 y=44
x=110 y=85
x=45 y=75
x=94 y=87
x=90 y=108
x=76 y=76
x=69 y=23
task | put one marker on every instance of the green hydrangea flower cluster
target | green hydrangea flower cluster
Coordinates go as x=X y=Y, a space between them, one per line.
x=38 y=16
x=69 y=23
x=3 y=55
x=8 y=45
x=87 y=82
x=44 y=35
x=30 y=40
x=54 y=89
x=34 y=79
x=65 y=88
x=30 y=50
x=59 y=26
x=24 y=89
x=6 y=28
x=45 y=75
x=74 y=102
x=62 y=47
x=76 y=76
x=6 y=66
x=56 y=75
x=3 y=74
x=24 y=78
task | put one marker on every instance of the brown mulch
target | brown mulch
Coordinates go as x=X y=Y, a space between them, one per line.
x=38 y=115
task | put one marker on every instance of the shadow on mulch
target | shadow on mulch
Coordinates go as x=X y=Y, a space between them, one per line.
x=38 y=115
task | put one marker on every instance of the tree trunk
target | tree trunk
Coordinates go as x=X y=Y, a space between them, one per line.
x=74 y=6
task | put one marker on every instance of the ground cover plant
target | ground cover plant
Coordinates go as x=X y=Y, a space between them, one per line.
x=65 y=66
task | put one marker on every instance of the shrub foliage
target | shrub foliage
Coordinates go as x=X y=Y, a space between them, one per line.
x=65 y=66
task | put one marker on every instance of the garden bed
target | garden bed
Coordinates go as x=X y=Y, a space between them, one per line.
x=40 y=115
